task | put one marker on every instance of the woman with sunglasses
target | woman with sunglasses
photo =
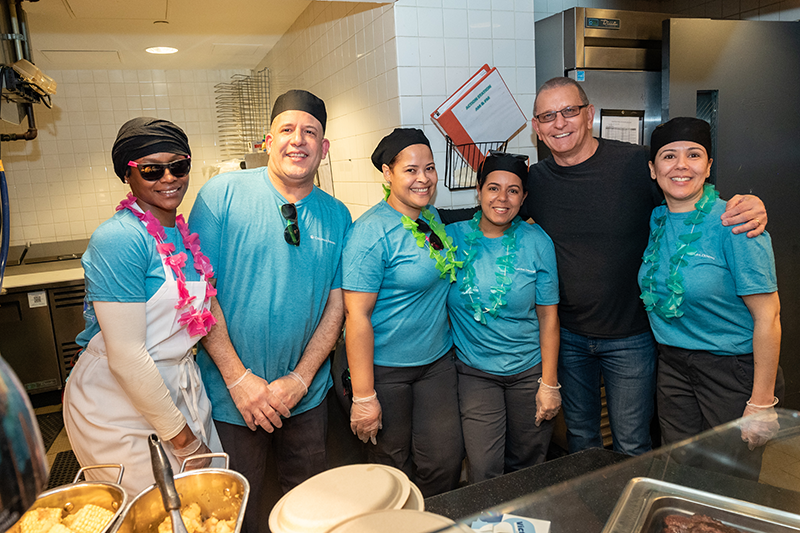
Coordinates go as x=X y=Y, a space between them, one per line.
x=504 y=314
x=147 y=304
x=398 y=264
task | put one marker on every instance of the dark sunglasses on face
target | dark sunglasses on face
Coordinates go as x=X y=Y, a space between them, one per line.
x=155 y=171
x=291 y=234
x=433 y=239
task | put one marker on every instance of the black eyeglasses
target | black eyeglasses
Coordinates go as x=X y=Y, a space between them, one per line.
x=567 y=112
x=291 y=234
x=433 y=239
x=155 y=171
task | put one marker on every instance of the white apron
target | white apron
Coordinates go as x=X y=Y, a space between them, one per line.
x=105 y=427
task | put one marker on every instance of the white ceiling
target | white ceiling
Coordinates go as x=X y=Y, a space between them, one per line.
x=113 y=34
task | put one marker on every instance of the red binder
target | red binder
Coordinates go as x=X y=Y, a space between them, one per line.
x=481 y=110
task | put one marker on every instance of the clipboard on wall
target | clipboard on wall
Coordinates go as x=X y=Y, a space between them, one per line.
x=481 y=110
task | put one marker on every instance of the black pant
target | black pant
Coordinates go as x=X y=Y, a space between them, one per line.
x=697 y=391
x=421 y=432
x=498 y=415
x=299 y=450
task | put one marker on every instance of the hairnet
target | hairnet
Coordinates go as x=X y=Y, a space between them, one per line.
x=680 y=129
x=299 y=100
x=396 y=142
x=143 y=136
x=514 y=163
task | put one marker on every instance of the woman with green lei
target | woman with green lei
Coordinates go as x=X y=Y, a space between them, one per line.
x=397 y=266
x=504 y=314
x=712 y=300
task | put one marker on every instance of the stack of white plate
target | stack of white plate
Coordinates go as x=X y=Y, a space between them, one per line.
x=339 y=495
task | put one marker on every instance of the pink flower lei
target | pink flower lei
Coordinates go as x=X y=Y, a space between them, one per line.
x=197 y=322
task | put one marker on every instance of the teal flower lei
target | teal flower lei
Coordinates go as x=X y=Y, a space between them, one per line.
x=447 y=264
x=505 y=269
x=670 y=308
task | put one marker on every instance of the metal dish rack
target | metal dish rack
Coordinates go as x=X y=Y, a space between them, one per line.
x=462 y=162
x=242 y=113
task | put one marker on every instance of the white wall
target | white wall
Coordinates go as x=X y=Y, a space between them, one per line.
x=62 y=184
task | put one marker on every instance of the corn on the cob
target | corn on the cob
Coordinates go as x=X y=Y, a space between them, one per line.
x=89 y=519
x=39 y=520
x=60 y=528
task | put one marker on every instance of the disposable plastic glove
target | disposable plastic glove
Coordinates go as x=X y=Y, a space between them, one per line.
x=195 y=447
x=257 y=403
x=548 y=402
x=759 y=429
x=366 y=418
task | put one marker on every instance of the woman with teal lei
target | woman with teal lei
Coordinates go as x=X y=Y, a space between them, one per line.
x=503 y=310
x=712 y=300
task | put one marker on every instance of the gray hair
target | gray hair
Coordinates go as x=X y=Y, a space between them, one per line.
x=555 y=83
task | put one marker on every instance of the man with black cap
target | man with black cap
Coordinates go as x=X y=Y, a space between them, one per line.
x=594 y=198
x=276 y=242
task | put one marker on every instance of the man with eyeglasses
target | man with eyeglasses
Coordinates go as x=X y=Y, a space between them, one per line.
x=594 y=198
x=276 y=242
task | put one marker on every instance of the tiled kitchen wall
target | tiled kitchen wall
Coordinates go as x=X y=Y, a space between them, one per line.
x=62 y=184
x=786 y=10
x=381 y=67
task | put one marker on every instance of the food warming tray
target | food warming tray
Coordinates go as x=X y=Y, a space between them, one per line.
x=645 y=502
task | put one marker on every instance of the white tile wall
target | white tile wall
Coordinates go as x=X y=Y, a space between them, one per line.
x=62 y=184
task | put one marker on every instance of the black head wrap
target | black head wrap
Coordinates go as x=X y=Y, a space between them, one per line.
x=514 y=163
x=143 y=136
x=396 y=142
x=299 y=100
x=680 y=129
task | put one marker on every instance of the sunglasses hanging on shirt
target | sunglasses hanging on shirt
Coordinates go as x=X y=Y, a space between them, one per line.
x=433 y=239
x=291 y=234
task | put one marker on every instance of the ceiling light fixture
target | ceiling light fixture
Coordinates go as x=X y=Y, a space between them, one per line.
x=161 y=50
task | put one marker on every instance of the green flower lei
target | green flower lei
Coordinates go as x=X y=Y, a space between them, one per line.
x=669 y=309
x=505 y=269
x=447 y=264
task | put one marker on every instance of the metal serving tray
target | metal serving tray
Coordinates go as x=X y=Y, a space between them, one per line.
x=645 y=502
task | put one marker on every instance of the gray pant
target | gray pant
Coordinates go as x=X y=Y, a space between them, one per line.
x=421 y=432
x=299 y=450
x=697 y=391
x=497 y=417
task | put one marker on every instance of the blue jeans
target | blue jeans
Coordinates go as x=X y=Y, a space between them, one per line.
x=628 y=369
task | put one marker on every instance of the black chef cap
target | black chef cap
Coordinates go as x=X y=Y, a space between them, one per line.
x=396 y=142
x=680 y=129
x=299 y=100
x=143 y=136
x=514 y=163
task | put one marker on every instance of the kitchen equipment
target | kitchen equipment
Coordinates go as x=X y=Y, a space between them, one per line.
x=243 y=113
x=47 y=252
x=39 y=325
x=616 y=57
x=219 y=492
x=162 y=472
x=72 y=497
x=645 y=502
x=331 y=497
